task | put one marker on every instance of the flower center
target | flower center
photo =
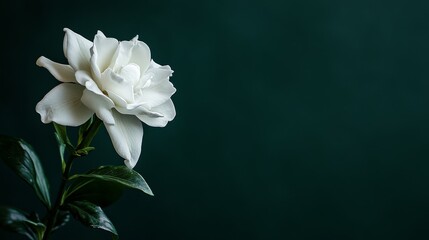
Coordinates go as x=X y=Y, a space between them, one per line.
x=130 y=73
x=121 y=82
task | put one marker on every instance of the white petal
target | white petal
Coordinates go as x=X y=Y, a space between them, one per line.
x=100 y=104
x=83 y=78
x=135 y=109
x=130 y=72
x=114 y=83
x=77 y=50
x=167 y=110
x=155 y=95
x=100 y=33
x=126 y=135
x=61 y=72
x=118 y=100
x=122 y=55
x=135 y=39
x=103 y=51
x=154 y=87
x=140 y=55
x=159 y=73
x=63 y=106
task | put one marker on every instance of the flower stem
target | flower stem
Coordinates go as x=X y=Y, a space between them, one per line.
x=53 y=212
x=52 y=215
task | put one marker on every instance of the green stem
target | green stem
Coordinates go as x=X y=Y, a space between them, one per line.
x=52 y=214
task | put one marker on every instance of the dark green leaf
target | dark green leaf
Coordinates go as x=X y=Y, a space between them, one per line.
x=21 y=158
x=14 y=220
x=99 y=192
x=63 y=217
x=91 y=215
x=122 y=175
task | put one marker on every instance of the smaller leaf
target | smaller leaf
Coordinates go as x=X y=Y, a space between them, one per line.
x=15 y=220
x=21 y=158
x=91 y=215
x=122 y=175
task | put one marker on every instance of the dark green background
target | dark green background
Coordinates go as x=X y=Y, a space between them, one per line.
x=295 y=119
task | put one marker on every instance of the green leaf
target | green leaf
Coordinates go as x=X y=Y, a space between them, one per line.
x=15 y=220
x=63 y=217
x=99 y=192
x=104 y=185
x=122 y=175
x=21 y=158
x=91 y=215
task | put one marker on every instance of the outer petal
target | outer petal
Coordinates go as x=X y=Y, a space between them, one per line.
x=77 y=50
x=126 y=135
x=63 y=106
x=155 y=95
x=134 y=109
x=159 y=73
x=154 y=87
x=168 y=113
x=99 y=104
x=61 y=72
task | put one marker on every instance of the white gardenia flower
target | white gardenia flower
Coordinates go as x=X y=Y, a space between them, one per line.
x=117 y=81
